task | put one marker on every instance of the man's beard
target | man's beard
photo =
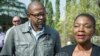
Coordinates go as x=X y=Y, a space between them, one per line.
x=41 y=26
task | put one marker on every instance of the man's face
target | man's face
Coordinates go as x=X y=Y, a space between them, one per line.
x=83 y=29
x=16 y=21
x=37 y=15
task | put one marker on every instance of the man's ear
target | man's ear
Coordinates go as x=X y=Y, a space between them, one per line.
x=29 y=18
x=28 y=14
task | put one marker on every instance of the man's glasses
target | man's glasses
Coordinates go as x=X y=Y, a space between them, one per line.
x=38 y=15
x=16 y=21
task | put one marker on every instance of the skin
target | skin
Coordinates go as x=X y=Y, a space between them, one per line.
x=16 y=21
x=83 y=32
x=83 y=29
x=37 y=15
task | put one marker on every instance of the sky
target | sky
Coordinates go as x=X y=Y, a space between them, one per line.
x=62 y=6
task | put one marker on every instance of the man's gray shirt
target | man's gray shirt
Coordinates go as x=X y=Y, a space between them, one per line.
x=21 y=42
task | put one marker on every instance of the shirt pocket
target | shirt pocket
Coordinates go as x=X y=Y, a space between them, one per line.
x=22 y=47
x=50 y=45
x=48 y=48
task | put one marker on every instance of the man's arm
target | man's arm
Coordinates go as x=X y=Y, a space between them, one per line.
x=58 y=43
x=8 y=48
x=7 y=33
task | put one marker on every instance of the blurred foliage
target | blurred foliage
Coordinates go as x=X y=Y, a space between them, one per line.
x=57 y=13
x=12 y=8
x=50 y=21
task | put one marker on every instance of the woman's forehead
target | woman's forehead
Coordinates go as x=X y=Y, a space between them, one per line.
x=83 y=18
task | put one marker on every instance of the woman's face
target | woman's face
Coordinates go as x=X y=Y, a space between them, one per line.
x=83 y=29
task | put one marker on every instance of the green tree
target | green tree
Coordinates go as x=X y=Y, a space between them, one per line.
x=12 y=8
x=49 y=14
x=57 y=13
x=35 y=0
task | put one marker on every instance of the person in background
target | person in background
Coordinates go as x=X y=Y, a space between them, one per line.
x=84 y=27
x=33 y=38
x=15 y=21
x=2 y=36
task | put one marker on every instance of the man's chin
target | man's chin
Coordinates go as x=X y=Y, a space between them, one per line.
x=41 y=26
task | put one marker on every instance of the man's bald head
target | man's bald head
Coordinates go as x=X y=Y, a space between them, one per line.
x=35 y=4
x=16 y=18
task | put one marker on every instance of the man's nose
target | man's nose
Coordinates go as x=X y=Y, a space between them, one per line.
x=41 y=17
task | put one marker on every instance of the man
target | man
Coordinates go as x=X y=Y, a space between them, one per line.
x=15 y=21
x=2 y=36
x=33 y=38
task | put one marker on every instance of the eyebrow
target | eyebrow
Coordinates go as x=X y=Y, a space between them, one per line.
x=84 y=24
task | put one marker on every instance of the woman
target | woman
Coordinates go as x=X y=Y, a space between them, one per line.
x=83 y=29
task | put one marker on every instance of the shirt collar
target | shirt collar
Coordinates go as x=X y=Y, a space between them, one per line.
x=27 y=28
x=31 y=27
